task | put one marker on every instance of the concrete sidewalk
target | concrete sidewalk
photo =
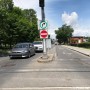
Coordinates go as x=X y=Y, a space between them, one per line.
x=78 y=49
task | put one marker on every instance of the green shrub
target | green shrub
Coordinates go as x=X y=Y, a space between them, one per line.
x=85 y=45
x=4 y=53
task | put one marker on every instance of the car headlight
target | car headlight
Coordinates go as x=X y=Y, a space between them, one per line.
x=25 y=51
x=9 y=51
x=40 y=47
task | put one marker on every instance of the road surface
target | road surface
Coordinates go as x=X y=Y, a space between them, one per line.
x=69 y=70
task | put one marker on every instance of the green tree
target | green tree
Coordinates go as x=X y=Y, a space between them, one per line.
x=30 y=15
x=3 y=24
x=17 y=25
x=88 y=39
x=64 y=33
x=6 y=4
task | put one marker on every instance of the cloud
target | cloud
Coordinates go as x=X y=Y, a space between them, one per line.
x=70 y=19
x=26 y=4
x=81 y=31
x=73 y=20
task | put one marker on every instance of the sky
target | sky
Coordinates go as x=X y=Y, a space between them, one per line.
x=58 y=12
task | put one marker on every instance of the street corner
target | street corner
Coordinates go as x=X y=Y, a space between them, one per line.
x=49 y=58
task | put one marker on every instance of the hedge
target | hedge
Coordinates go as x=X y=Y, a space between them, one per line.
x=85 y=45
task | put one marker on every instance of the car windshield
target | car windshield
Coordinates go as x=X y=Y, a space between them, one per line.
x=37 y=42
x=21 y=46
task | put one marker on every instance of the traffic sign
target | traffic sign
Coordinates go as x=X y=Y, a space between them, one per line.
x=43 y=34
x=43 y=25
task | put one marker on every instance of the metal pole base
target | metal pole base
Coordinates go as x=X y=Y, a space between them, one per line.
x=45 y=56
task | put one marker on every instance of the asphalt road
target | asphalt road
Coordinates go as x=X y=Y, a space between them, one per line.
x=68 y=71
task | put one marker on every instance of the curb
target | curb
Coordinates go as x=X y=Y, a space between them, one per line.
x=43 y=60
x=79 y=52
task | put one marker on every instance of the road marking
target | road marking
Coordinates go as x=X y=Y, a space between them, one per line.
x=48 y=88
x=64 y=53
x=31 y=70
x=46 y=70
x=55 y=56
x=65 y=59
x=75 y=59
x=1 y=70
x=67 y=53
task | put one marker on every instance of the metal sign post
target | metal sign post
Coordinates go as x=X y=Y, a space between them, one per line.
x=43 y=25
x=44 y=40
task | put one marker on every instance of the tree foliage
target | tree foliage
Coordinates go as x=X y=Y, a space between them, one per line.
x=6 y=4
x=64 y=33
x=88 y=39
x=17 y=25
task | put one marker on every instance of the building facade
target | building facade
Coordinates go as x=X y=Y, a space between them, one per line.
x=76 y=40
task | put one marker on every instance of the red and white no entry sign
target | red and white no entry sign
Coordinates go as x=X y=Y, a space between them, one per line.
x=43 y=34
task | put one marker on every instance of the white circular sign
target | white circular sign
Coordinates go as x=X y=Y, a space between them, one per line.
x=43 y=25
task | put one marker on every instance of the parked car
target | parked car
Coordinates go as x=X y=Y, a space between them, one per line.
x=38 y=45
x=22 y=50
x=56 y=43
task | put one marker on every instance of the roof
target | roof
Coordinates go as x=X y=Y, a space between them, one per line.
x=77 y=37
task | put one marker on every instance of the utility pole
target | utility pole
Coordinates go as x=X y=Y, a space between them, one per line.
x=41 y=4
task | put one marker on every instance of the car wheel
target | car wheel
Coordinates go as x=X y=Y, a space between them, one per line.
x=34 y=53
x=29 y=54
x=10 y=57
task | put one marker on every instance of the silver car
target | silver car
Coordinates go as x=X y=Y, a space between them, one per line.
x=22 y=50
x=38 y=45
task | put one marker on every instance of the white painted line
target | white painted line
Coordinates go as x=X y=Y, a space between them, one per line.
x=48 y=70
x=55 y=56
x=48 y=88
x=27 y=70
x=65 y=59
x=75 y=59
x=64 y=53
x=2 y=70
x=69 y=53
